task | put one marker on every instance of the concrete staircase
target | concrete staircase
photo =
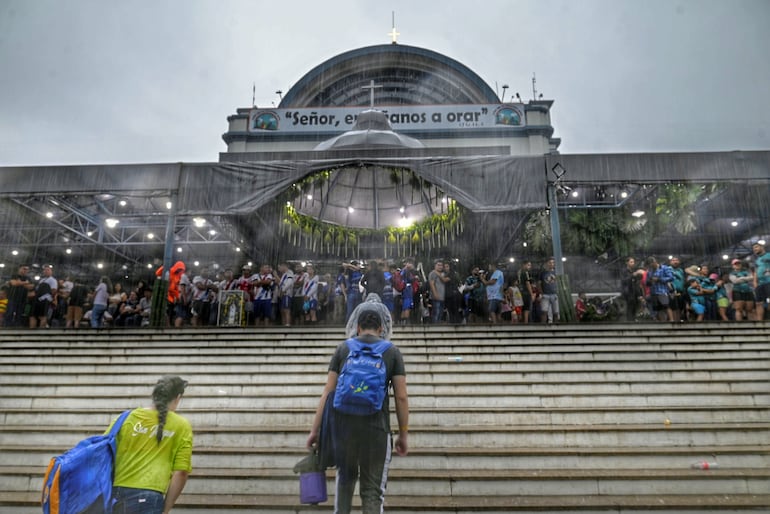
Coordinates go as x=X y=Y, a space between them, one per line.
x=571 y=418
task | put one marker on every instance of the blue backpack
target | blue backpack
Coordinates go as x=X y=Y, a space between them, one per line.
x=362 y=384
x=80 y=480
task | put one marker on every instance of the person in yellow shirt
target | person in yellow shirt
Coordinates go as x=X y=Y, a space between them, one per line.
x=3 y=304
x=154 y=453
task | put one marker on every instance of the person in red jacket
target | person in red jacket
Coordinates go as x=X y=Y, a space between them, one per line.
x=176 y=307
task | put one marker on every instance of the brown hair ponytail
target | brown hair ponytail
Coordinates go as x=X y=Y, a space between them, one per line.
x=166 y=390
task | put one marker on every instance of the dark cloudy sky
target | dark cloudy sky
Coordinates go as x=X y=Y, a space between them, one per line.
x=94 y=81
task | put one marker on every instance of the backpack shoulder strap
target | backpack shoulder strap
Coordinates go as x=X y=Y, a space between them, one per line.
x=119 y=423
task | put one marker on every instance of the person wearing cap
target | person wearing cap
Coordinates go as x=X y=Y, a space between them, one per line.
x=362 y=449
x=761 y=280
x=154 y=453
x=743 y=290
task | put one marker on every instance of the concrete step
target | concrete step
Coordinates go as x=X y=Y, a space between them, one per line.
x=425 y=436
x=225 y=356
x=706 y=414
x=428 y=459
x=467 y=366
x=28 y=503
x=312 y=338
x=460 y=400
x=499 y=341
x=457 y=372
x=401 y=482
x=419 y=385
x=57 y=341
x=433 y=353
x=118 y=342
x=530 y=330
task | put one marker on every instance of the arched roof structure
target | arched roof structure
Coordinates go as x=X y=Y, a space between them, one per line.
x=408 y=75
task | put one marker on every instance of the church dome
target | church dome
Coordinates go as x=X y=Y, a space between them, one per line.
x=408 y=75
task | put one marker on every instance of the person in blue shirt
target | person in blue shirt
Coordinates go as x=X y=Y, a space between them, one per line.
x=678 y=298
x=761 y=280
x=697 y=298
x=709 y=287
x=353 y=275
x=494 y=282
x=408 y=300
x=659 y=280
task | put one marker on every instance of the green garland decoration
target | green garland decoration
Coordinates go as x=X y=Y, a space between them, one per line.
x=434 y=232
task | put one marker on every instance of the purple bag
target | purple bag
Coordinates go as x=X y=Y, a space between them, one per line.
x=312 y=487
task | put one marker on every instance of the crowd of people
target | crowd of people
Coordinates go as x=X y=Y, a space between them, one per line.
x=67 y=302
x=296 y=294
x=674 y=293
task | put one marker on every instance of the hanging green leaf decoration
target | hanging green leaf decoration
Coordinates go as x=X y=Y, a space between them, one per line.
x=537 y=232
x=415 y=181
x=676 y=205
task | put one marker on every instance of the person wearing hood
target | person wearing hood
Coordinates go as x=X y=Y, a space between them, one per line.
x=177 y=285
x=360 y=443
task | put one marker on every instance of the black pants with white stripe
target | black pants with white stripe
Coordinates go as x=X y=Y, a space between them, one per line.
x=365 y=457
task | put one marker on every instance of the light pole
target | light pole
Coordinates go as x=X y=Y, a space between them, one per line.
x=562 y=280
x=553 y=205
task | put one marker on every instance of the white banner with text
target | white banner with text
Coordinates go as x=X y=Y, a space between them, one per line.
x=407 y=117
